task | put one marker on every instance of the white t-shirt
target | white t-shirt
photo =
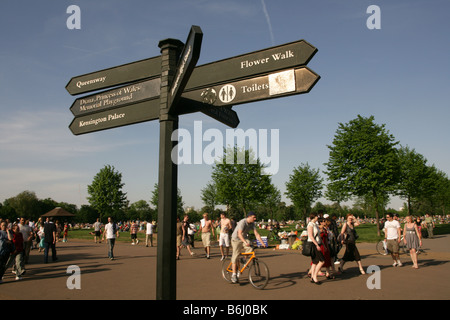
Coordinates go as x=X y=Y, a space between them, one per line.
x=150 y=227
x=316 y=232
x=109 y=232
x=391 y=229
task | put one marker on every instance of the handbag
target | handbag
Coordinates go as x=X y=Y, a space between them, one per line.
x=307 y=248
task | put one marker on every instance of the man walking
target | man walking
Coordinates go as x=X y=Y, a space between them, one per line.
x=224 y=239
x=206 y=229
x=49 y=239
x=97 y=229
x=111 y=232
x=429 y=223
x=149 y=233
x=392 y=235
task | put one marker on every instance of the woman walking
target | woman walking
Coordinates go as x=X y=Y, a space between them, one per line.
x=348 y=237
x=412 y=239
x=317 y=257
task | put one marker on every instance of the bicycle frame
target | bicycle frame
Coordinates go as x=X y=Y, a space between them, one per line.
x=250 y=257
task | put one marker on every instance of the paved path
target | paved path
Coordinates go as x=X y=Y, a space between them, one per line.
x=132 y=276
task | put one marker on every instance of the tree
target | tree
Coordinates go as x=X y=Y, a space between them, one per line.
x=336 y=194
x=241 y=184
x=209 y=195
x=437 y=190
x=363 y=160
x=304 y=187
x=141 y=210
x=413 y=173
x=25 y=204
x=155 y=197
x=105 y=192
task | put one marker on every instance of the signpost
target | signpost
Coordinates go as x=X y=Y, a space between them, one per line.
x=170 y=85
x=274 y=85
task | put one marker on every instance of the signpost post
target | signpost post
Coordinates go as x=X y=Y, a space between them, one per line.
x=170 y=85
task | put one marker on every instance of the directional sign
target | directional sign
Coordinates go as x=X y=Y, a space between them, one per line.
x=115 y=98
x=222 y=114
x=188 y=60
x=127 y=73
x=286 y=56
x=118 y=117
x=274 y=85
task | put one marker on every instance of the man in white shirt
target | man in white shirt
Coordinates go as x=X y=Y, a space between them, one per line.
x=149 y=233
x=392 y=235
x=111 y=232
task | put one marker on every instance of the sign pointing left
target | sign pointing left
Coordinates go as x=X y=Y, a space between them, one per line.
x=127 y=73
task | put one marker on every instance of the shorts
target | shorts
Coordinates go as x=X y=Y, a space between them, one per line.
x=392 y=246
x=224 y=240
x=134 y=236
x=206 y=239
x=97 y=233
x=238 y=246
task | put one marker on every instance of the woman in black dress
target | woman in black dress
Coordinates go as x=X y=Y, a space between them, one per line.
x=348 y=237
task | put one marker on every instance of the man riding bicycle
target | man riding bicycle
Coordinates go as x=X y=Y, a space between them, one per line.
x=239 y=241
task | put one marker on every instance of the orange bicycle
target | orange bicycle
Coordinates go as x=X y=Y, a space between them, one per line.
x=258 y=272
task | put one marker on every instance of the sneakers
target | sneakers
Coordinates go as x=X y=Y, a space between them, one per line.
x=397 y=263
x=18 y=278
x=234 y=278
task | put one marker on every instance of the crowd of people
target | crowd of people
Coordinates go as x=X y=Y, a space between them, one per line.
x=327 y=236
x=326 y=241
x=18 y=238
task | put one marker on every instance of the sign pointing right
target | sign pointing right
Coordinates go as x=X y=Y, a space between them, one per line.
x=274 y=85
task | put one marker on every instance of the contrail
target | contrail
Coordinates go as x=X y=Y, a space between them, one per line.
x=268 y=21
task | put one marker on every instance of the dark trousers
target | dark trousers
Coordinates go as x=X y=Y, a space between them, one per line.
x=48 y=246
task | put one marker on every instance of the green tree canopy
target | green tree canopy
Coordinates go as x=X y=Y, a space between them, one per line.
x=240 y=184
x=155 y=198
x=413 y=174
x=304 y=187
x=363 y=159
x=105 y=192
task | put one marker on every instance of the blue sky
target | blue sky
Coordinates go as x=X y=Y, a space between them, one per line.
x=400 y=74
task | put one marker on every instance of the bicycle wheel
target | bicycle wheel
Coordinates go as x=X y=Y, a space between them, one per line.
x=381 y=248
x=258 y=274
x=226 y=269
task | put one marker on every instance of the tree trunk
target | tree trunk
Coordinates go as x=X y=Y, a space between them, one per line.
x=377 y=215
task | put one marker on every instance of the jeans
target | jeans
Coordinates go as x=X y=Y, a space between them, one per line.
x=111 y=243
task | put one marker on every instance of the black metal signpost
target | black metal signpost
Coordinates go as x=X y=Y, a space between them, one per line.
x=170 y=85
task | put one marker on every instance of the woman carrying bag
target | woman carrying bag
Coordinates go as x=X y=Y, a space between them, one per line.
x=317 y=257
